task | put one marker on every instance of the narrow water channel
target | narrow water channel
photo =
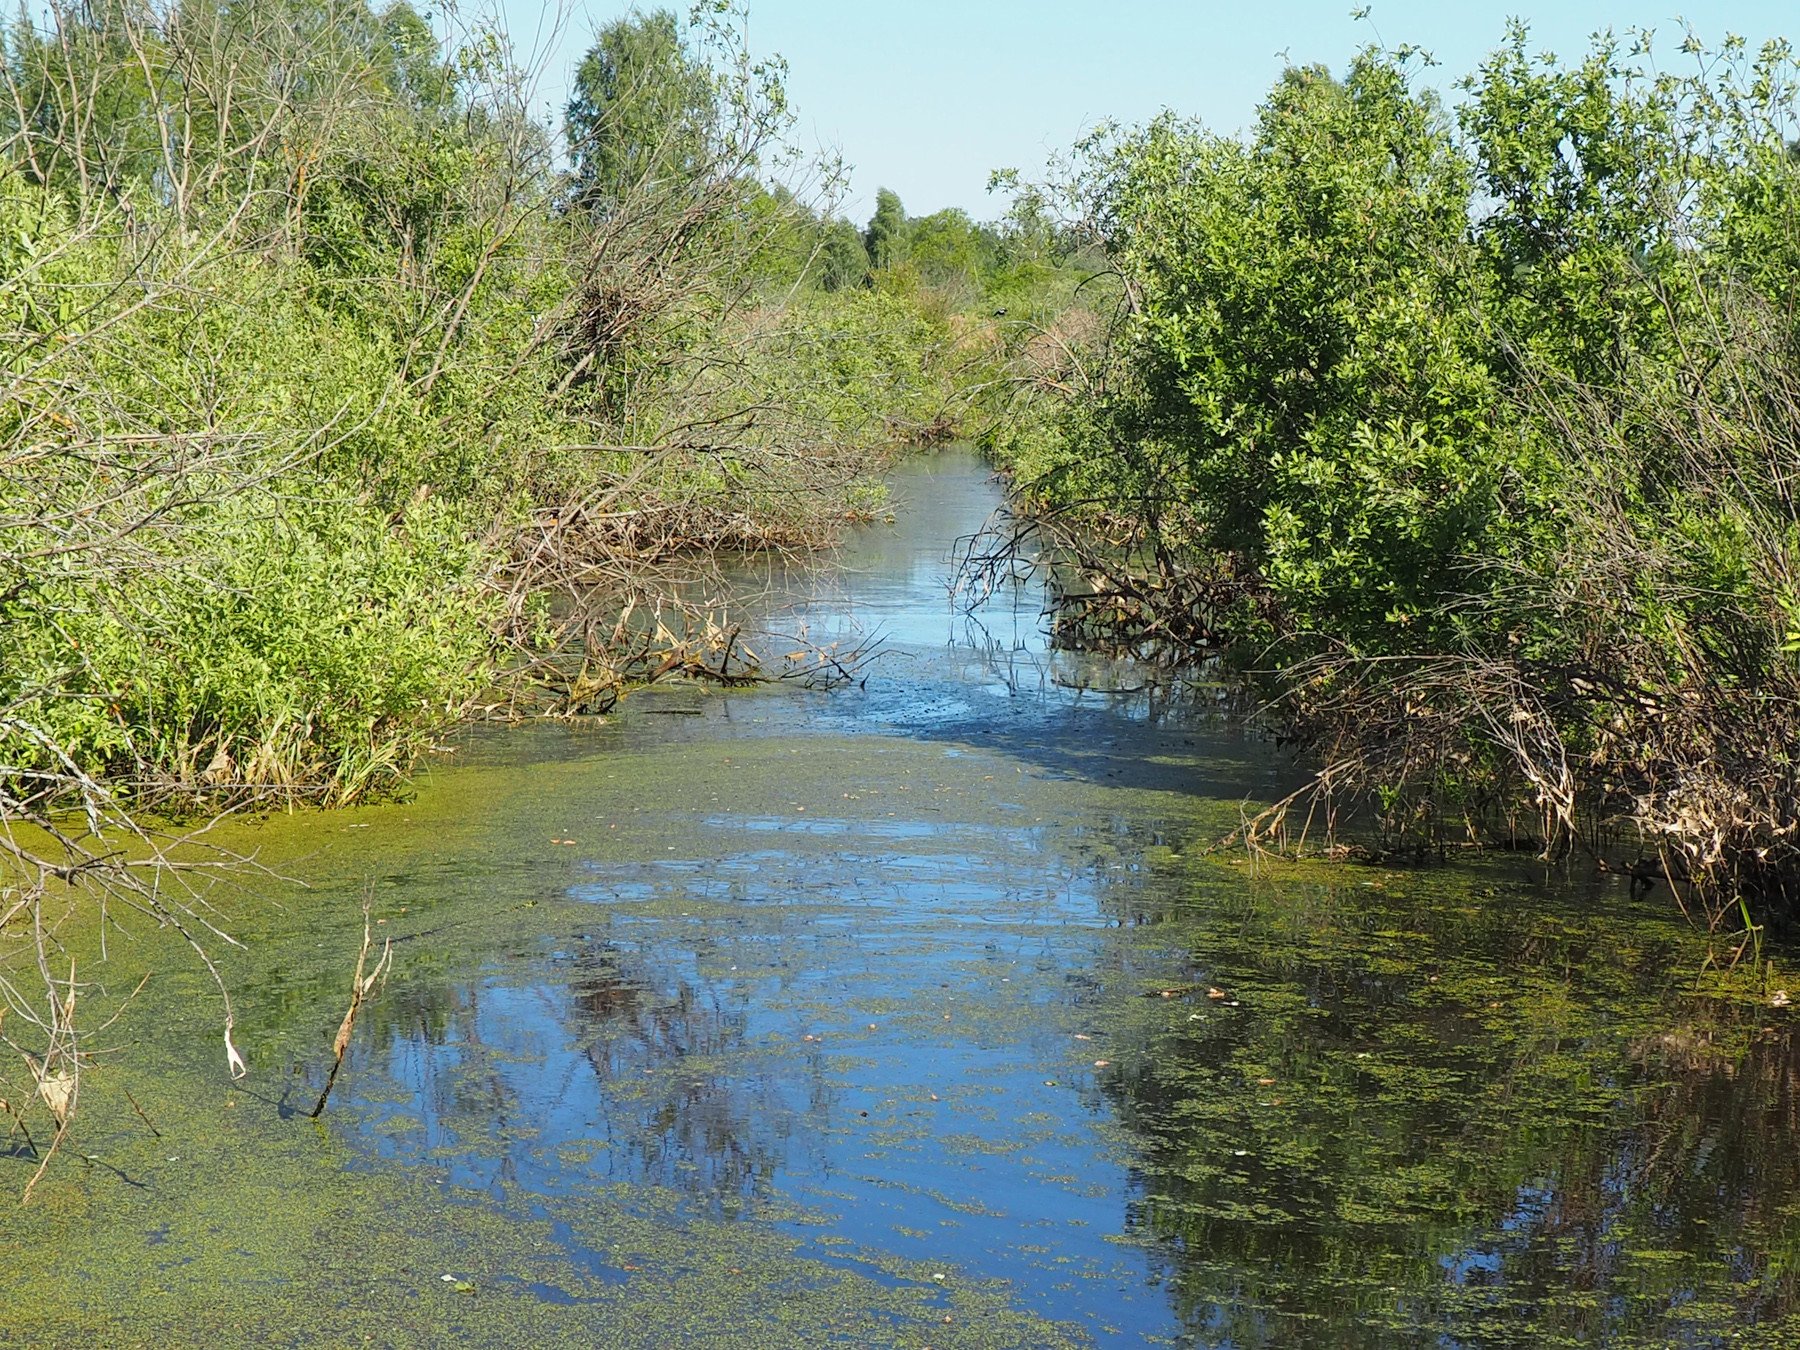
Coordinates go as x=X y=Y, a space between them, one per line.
x=917 y=1014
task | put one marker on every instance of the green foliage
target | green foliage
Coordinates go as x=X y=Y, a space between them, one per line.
x=950 y=250
x=1755 y=203
x=843 y=261
x=253 y=454
x=1333 y=321
x=1477 y=435
x=311 y=649
x=1305 y=388
x=866 y=367
x=295 y=400
x=1585 y=172
x=297 y=632
x=640 y=109
x=885 y=239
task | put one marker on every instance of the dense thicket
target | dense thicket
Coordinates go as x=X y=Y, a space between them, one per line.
x=321 y=370
x=1474 y=436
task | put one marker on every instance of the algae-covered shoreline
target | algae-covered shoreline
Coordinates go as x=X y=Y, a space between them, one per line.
x=842 y=1016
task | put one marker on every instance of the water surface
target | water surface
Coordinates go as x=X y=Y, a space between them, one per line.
x=917 y=1014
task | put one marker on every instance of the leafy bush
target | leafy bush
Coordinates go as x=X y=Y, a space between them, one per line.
x=1475 y=440
x=279 y=644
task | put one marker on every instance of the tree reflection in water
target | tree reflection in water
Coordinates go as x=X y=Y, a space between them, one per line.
x=934 y=963
x=1476 y=1124
x=625 y=1068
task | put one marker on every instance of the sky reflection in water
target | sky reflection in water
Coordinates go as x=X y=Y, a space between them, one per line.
x=933 y=967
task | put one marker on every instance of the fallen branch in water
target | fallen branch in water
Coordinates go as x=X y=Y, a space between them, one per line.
x=361 y=987
x=589 y=676
x=56 y=1087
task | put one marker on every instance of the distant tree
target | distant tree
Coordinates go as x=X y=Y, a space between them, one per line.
x=1030 y=230
x=405 y=45
x=777 y=232
x=949 y=248
x=641 y=108
x=886 y=237
x=843 y=260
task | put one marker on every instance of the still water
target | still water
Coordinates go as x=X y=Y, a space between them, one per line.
x=918 y=1014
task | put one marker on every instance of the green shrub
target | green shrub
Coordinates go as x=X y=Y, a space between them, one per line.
x=1477 y=442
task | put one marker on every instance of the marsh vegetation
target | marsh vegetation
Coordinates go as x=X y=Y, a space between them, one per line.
x=354 y=419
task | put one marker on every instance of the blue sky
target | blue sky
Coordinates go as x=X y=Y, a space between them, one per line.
x=927 y=96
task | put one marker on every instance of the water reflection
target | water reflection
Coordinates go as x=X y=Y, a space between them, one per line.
x=618 y=1064
x=933 y=968
x=1451 y=1126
